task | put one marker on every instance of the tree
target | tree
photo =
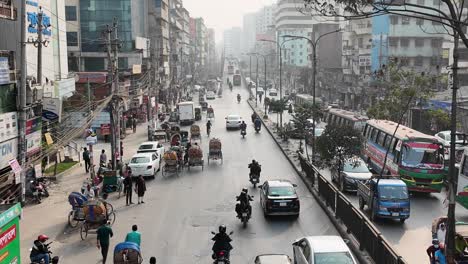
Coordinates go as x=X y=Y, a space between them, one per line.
x=440 y=118
x=300 y=117
x=337 y=144
x=448 y=13
x=398 y=86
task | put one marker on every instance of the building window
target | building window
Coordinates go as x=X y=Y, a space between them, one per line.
x=72 y=39
x=421 y=2
x=405 y=20
x=419 y=21
x=300 y=53
x=300 y=46
x=393 y=42
x=360 y=42
x=292 y=61
x=418 y=61
x=404 y=42
x=419 y=42
x=300 y=61
x=292 y=46
x=436 y=43
x=70 y=13
x=394 y=20
x=403 y=61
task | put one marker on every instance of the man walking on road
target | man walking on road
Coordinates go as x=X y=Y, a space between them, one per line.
x=140 y=188
x=128 y=189
x=103 y=158
x=134 y=123
x=104 y=233
x=134 y=236
x=87 y=159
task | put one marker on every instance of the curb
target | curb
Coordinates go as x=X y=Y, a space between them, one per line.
x=361 y=255
x=60 y=175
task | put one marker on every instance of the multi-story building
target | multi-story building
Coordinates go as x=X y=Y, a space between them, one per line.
x=212 y=56
x=249 y=32
x=186 y=48
x=198 y=33
x=175 y=38
x=232 y=42
x=265 y=19
x=159 y=35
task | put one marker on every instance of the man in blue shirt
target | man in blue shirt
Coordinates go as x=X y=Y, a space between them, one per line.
x=439 y=255
x=134 y=236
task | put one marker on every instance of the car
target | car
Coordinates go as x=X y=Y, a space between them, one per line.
x=197 y=87
x=353 y=170
x=444 y=138
x=151 y=147
x=233 y=121
x=279 y=197
x=145 y=164
x=210 y=95
x=273 y=259
x=322 y=250
x=273 y=92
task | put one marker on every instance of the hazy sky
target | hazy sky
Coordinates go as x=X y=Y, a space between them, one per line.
x=223 y=14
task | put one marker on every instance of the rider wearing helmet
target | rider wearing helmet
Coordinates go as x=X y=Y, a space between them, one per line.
x=40 y=250
x=255 y=169
x=244 y=202
x=222 y=242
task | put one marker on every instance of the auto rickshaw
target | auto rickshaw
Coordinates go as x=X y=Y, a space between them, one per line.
x=198 y=111
x=204 y=106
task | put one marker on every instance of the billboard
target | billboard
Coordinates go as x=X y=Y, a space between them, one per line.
x=8 y=151
x=8 y=126
x=33 y=143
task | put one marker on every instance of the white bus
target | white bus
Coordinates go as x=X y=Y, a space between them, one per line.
x=340 y=117
x=302 y=99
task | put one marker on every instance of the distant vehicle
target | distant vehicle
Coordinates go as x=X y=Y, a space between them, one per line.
x=151 y=147
x=306 y=99
x=414 y=156
x=386 y=197
x=145 y=164
x=444 y=138
x=352 y=171
x=272 y=259
x=322 y=250
x=212 y=85
x=340 y=117
x=260 y=91
x=233 y=121
x=210 y=95
x=230 y=69
x=273 y=92
x=236 y=80
x=318 y=133
x=186 y=113
x=279 y=197
x=196 y=87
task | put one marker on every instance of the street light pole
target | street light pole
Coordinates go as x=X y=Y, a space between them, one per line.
x=256 y=83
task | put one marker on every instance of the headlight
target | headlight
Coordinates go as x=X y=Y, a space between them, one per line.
x=382 y=208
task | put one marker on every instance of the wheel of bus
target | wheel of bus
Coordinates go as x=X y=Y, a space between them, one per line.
x=361 y=203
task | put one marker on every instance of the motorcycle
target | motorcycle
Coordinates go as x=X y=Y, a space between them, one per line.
x=254 y=179
x=238 y=99
x=243 y=133
x=245 y=215
x=38 y=190
x=53 y=260
x=257 y=128
x=221 y=257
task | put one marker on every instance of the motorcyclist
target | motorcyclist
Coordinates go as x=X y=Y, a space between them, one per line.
x=40 y=250
x=208 y=127
x=255 y=169
x=253 y=117
x=244 y=202
x=243 y=126
x=257 y=123
x=222 y=242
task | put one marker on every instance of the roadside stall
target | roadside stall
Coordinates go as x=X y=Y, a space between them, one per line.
x=9 y=233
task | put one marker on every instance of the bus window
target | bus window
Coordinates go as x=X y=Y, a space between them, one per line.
x=381 y=138
x=375 y=132
x=371 y=133
x=388 y=140
x=366 y=130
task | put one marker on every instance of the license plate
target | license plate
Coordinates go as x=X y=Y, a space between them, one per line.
x=395 y=214
x=244 y=214
x=220 y=262
x=283 y=204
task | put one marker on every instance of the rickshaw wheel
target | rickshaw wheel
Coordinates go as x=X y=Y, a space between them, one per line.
x=111 y=218
x=109 y=208
x=84 y=230
x=71 y=219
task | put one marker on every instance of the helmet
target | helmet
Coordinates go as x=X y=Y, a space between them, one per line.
x=42 y=238
x=244 y=190
x=222 y=229
x=253 y=161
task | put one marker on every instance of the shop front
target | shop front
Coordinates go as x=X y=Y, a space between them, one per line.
x=10 y=234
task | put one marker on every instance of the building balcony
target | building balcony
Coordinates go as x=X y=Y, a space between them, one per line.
x=7 y=10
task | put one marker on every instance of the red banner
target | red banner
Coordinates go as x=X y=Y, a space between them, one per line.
x=7 y=236
x=105 y=129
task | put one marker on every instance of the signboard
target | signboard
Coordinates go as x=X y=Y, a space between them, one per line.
x=8 y=151
x=49 y=139
x=8 y=126
x=33 y=125
x=38 y=170
x=52 y=109
x=4 y=71
x=91 y=140
x=105 y=129
x=136 y=69
x=33 y=143
x=10 y=235
x=16 y=168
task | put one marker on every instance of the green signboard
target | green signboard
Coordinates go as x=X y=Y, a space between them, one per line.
x=9 y=235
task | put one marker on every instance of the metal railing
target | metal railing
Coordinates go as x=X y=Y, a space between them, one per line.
x=366 y=234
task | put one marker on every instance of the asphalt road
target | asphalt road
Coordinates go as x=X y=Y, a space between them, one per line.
x=179 y=212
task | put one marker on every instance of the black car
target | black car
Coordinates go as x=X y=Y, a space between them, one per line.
x=279 y=197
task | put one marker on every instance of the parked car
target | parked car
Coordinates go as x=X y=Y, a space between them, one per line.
x=444 y=138
x=279 y=197
x=322 y=250
x=273 y=259
x=151 y=147
x=273 y=92
x=352 y=171
x=145 y=164
x=210 y=95
x=233 y=121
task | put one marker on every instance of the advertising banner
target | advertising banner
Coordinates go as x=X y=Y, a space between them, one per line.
x=33 y=143
x=10 y=234
x=52 y=109
x=33 y=125
x=4 y=71
x=8 y=126
x=8 y=151
x=105 y=129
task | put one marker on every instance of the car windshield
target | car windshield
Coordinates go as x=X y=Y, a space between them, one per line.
x=232 y=118
x=355 y=167
x=281 y=191
x=390 y=192
x=333 y=257
x=421 y=156
x=137 y=160
x=145 y=147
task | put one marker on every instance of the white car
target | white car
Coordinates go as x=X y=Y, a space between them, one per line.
x=151 y=147
x=145 y=164
x=444 y=138
x=273 y=92
x=233 y=121
x=321 y=250
x=210 y=95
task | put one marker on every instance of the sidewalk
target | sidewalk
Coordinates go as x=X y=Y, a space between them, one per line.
x=51 y=216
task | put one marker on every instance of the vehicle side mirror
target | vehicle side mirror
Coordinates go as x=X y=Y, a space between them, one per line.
x=294 y=185
x=232 y=232
x=295 y=243
x=213 y=233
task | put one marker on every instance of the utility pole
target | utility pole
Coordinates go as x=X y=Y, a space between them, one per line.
x=39 y=42
x=256 y=82
x=22 y=102
x=380 y=52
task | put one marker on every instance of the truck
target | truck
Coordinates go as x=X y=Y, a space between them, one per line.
x=385 y=197
x=236 y=80
x=186 y=113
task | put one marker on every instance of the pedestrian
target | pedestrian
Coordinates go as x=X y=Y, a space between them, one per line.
x=87 y=159
x=103 y=158
x=104 y=233
x=128 y=189
x=431 y=250
x=134 y=123
x=441 y=231
x=134 y=236
x=260 y=97
x=152 y=260
x=440 y=255
x=140 y=188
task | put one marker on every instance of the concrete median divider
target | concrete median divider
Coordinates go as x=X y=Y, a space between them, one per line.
x=365 y=240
